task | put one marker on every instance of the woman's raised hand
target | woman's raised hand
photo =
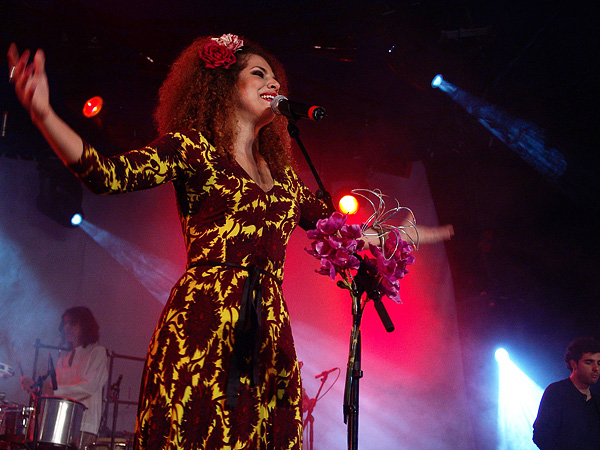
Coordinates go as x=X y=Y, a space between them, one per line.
x=31 y=86
x=31 y=82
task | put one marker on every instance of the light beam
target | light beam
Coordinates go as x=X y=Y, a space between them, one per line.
x=518 y=401
x=156 y=274
x=525 y=138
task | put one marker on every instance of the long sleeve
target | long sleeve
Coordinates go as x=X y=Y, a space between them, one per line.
x=87 y=376
x=546 y=425
x=164 y=160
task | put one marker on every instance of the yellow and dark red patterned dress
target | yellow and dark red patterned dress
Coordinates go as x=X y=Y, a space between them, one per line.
x=226 y=218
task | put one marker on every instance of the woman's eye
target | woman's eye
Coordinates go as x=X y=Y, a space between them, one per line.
x=258 y=73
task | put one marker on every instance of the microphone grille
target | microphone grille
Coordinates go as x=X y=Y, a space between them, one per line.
x=275 y=104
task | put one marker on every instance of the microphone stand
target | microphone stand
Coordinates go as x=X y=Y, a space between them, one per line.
x=363 y=283
x=310 y=420
x=325 y=196
x=353 y=375
x=321 y=193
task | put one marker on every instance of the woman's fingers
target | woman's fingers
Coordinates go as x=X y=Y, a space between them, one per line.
x=39 y=61
x=22 y=64
x=29 y=80
x=19 y=69
x=13 y=58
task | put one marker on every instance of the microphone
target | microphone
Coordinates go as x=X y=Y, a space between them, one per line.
x=325 y=373
x=281 y=106
x=117 y=384
x=52 y=373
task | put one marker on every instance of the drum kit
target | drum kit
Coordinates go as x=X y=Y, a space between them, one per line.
x=51 y=423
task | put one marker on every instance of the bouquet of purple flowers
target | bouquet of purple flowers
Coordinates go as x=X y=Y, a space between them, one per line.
x=338 y=246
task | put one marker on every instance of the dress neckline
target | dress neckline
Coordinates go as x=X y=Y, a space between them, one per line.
x=248 y=177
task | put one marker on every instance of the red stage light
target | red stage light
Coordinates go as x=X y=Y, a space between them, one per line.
x=348 y=204
x=92 y=107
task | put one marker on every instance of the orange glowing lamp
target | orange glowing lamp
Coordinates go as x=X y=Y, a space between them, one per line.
x=348 y=204
x=93 y=106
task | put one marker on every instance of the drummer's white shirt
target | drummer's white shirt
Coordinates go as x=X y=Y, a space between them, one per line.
x=83 y=381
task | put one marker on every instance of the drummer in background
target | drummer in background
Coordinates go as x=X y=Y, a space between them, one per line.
x=81 y=373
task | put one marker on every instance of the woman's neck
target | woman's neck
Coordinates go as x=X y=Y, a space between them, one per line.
x=245 y=150
x=244 y=141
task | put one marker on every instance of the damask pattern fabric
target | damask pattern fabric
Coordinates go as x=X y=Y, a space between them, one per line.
x=226 y=218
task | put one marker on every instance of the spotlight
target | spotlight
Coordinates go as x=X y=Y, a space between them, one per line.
x=437 y=80
x=93 y=107
x=76 y=219
x=348 y=204
x=501 y=355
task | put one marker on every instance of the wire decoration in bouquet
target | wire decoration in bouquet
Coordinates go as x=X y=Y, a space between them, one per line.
x=381 y=221
x=342 y=252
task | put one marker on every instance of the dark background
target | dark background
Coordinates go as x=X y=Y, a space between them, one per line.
x=524 y=259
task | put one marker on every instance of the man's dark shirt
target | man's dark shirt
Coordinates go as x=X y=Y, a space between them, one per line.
x=564 y=422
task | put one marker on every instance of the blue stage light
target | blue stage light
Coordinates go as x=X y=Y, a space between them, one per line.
x=76 y=219
x=525 y=138
x=501 y=355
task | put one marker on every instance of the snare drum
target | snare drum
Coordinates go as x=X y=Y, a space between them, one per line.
x=14 y=422
x=59 y=421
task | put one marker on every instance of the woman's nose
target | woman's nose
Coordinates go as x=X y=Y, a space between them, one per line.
x=274 y=85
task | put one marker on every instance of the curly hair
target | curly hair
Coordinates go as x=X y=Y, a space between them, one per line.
x=578 y=347
x=81 y=315
x=193 y=96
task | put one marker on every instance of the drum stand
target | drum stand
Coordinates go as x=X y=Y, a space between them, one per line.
x=37 y=397
x=114 y=394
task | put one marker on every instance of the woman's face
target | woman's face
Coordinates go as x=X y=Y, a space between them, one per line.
x=72 y=331
x=256 y=86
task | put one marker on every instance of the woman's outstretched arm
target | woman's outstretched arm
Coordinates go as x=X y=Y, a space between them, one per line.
x=31 y=87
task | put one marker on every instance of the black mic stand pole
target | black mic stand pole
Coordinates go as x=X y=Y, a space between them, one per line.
x=353 y=374
x=363 y=282
x=321 y=193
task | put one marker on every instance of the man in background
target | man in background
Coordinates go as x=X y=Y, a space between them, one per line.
x=569 y=413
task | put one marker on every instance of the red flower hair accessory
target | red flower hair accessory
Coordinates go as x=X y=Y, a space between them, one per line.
x=220 y=52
